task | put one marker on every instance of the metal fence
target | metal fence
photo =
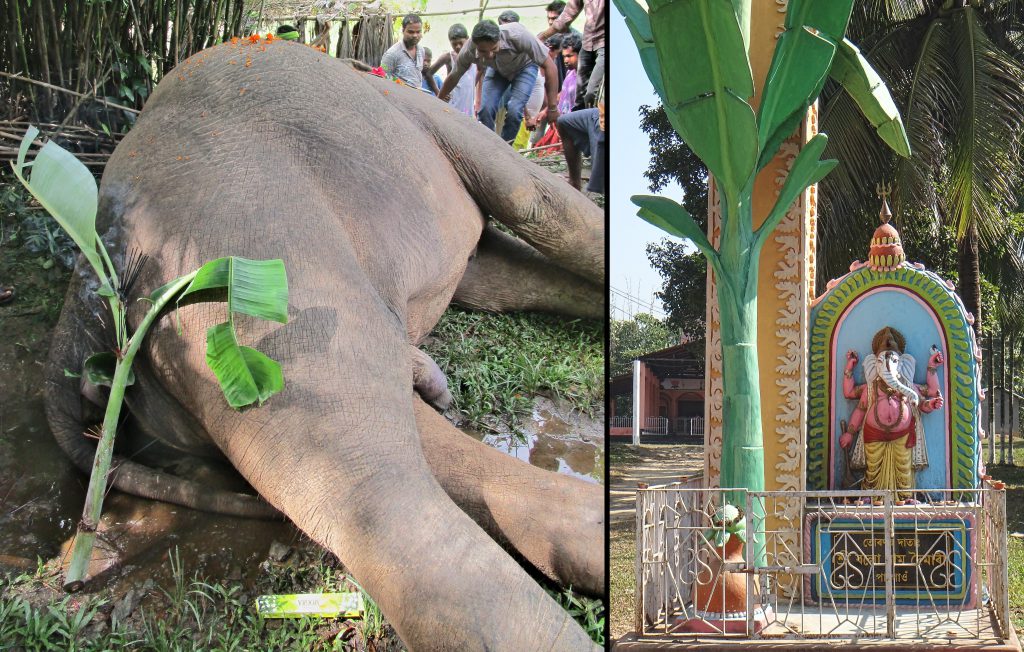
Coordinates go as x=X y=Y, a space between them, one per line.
x=620 y=422
x=656 y=425
x=824 y=564
x=693 y=426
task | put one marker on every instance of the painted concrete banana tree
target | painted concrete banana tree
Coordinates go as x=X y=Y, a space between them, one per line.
x=695 y=54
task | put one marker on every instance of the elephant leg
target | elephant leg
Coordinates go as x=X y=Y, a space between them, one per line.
x=559 y=221
x=429 y=381
x=554 y=521
x=340 y=455
x=507 y=274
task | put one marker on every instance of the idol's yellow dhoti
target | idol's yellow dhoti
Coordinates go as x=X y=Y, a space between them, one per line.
x=888 y=465
x=889 y=458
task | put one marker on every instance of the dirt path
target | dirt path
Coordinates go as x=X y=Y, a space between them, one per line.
x=652 y=464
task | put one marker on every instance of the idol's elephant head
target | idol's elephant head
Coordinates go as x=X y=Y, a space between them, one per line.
x=891 y=364
x=375 y=196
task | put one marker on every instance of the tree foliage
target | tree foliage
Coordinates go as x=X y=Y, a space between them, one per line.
x=632 y=338
x=957 y=70
x=684 y=288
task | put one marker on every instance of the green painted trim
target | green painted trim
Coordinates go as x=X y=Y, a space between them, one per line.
x=962 y=368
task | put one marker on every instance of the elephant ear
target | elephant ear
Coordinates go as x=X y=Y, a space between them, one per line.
x=870 y=368
x=907 y=366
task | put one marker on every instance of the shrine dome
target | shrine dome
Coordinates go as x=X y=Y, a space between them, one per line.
x=886 y=251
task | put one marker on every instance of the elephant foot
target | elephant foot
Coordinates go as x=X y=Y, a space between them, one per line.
x=429 y=380
x=554 y=521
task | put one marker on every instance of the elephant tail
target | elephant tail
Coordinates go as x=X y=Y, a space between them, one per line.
x=78 y=334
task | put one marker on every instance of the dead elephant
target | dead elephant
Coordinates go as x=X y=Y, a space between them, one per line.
x=375 y=196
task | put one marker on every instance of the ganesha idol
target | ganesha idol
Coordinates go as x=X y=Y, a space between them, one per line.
x=893 y=380
x=892 y=444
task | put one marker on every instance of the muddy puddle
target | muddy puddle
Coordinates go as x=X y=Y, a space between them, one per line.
x=555 y=439
x=41 y=495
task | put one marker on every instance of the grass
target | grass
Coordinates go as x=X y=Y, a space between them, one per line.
x=588 y=612
x=622 y=578
x=194 y=613
x=201 y=613
x=496 y=363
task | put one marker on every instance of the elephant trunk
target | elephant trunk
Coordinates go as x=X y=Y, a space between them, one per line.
x=888 y=369
x=77 y=335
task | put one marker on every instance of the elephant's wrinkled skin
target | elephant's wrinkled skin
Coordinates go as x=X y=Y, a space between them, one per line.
x=374 y=196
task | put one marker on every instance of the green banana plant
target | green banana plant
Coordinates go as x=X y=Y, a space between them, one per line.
x=695 y=53
x=67 y=190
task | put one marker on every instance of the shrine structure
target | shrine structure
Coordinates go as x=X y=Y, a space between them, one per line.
x=875 y=521
x=897 y=532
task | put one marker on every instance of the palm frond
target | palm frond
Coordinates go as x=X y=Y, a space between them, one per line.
x=984 y=168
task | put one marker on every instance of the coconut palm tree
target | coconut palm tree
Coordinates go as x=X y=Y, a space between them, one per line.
x=956 y=69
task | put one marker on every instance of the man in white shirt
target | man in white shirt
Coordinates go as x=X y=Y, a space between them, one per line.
x=404 y=59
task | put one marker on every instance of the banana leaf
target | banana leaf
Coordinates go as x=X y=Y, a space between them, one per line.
x=639 y=25
x=801 y=63
x=253 y=287
x=99 y=369
x=246 y=376
x=673 y=219
x=806 y=170
x=867 y=89
x=707 y=81
x=67 y=190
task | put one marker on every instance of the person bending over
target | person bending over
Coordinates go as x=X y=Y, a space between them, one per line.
x=512 y=57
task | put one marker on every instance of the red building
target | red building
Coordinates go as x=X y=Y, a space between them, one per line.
x=666 y=390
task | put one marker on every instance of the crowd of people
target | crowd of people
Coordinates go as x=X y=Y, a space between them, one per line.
x=549 y=87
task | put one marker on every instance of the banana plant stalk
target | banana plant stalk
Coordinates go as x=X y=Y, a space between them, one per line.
x=86 y=536
x=695 y=53
x=67 y=190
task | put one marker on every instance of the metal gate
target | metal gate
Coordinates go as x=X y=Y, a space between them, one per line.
x=827 y=564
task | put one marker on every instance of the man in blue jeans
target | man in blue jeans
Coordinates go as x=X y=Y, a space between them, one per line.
x=512 y=57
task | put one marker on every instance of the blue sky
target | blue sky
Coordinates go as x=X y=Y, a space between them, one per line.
x=630 y=270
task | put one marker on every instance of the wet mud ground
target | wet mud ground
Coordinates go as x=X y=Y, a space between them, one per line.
x=42 y=493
